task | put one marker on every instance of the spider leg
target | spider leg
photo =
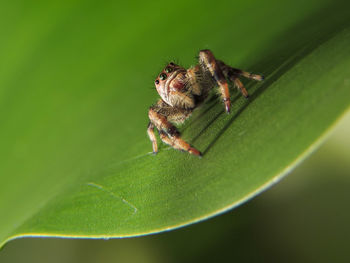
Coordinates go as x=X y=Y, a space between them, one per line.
x=245 y=74
x=168 y=133
x=208 y=61
x=233 y=75
x=177 y=143
x=236 y=81
x=152 y=137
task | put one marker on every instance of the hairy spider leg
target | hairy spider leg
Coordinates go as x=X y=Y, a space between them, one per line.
x=152 y=137
x=233 y=75
x=245 y=74
x=178 y=143
x=169 y=134
x=238 y=83
x=208 y=61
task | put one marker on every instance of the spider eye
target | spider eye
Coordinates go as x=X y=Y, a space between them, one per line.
x=168 y=70
x=171 y=64
x=157 y=81
x=163 y=76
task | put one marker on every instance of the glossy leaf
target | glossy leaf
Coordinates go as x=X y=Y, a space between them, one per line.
x=76 y=81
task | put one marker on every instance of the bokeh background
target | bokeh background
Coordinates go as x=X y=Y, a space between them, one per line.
x=55 y=53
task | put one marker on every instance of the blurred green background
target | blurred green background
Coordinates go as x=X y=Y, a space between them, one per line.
x=304 y=218
x=89 y=67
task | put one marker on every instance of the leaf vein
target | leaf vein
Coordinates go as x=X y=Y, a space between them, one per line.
x=98 y=186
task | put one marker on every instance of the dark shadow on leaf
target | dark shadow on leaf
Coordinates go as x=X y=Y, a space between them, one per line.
x=217 y=101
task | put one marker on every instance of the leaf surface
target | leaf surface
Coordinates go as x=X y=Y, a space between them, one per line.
x=76 y=81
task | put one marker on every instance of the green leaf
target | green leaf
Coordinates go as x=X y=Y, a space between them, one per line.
x=76 y=81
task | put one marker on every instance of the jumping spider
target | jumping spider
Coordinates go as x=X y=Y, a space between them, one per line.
x=182 y=91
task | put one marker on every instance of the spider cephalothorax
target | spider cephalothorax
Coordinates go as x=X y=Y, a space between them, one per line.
x=182 y=90
x=172 y=86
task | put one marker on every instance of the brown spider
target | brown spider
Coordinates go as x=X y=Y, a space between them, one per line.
x=182 y=91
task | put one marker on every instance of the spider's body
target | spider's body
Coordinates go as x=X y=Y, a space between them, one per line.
x=182 y=90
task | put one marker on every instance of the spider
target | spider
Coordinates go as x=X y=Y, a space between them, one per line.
x=182 y=91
